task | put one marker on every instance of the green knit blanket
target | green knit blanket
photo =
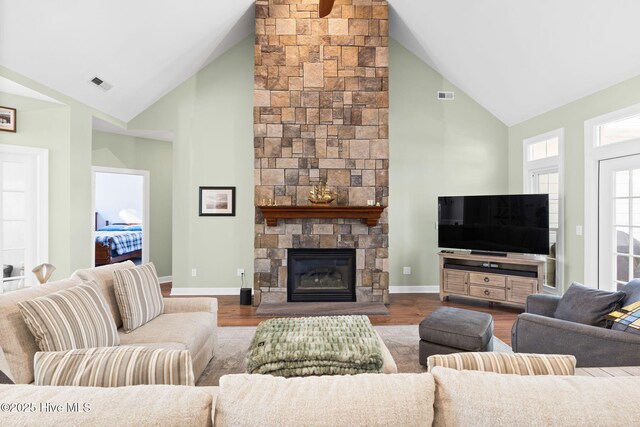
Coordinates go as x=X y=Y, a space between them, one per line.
x=328 y=345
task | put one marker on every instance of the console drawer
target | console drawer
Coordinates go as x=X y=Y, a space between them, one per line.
x=487 y=279
x=488 y=292
x=455 y=282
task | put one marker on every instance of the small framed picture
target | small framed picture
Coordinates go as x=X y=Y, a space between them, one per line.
x=8 y=119
x=217 y=201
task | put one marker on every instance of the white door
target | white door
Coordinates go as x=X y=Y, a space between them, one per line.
x=619 y=221
x=23 y=214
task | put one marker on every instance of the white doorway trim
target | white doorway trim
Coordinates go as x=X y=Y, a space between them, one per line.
x=40 y=157
x=593 y=155
x=145 y=203
x=546 y=165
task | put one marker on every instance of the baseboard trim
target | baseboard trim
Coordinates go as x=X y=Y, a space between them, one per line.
x=236 y=291
x=165 y=279
x=204 y=291
x=414 y=289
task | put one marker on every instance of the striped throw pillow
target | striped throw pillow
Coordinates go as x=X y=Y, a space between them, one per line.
x=138 y=295
x=76 y=317
x=505 y=363
x=113 y=367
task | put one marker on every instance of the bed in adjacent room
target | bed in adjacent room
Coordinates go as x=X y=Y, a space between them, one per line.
x=117 y=243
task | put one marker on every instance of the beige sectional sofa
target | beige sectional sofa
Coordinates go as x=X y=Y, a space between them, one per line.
x=186 y=323
x=444 y=397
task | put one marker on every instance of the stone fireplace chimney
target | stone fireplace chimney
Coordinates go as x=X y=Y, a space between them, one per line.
x=321 y=114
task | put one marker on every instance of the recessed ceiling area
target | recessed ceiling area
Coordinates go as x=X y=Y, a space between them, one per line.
x=516 y=59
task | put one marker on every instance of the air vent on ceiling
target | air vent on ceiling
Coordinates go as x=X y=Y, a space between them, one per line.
x=446 y=96
x=101 y=83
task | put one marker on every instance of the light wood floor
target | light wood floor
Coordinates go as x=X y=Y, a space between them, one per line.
x=405 y=309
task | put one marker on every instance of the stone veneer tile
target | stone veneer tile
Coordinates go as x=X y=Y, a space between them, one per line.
x=313 y=75
x=338 y=27
x=359 y=149
x=380 y=149
x=285 y=26
x=262 y=98
x=358 y=196
x=338 y=177
x=272 y=176
x=322 y=229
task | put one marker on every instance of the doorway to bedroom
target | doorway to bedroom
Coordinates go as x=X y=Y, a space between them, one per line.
x=120 y=215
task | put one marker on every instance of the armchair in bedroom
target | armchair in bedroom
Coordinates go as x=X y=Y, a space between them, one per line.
x=538 y=331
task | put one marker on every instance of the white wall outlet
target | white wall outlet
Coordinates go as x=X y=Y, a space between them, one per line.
x=436 y=225
x=194 y=272
x=406 y=270
x=240 y=272
x=578 y=230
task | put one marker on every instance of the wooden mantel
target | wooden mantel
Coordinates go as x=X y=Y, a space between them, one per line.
x=369 y=214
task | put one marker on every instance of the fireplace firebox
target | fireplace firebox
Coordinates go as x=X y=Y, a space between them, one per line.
x=321 y=275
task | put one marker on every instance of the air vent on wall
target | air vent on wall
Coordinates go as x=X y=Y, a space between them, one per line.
x=101 y=83
x=446 y=96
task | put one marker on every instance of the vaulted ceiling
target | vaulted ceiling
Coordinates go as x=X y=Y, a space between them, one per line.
x=517 y=59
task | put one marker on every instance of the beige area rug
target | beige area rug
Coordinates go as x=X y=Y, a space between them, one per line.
x=322 y=309
x=233 y=343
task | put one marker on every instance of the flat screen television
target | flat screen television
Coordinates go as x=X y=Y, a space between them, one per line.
x=503 y=223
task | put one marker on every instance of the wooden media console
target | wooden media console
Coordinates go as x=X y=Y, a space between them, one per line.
x=502 y=279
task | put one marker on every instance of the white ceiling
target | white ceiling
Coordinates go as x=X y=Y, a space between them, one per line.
x=144 y=48
x=517 y=59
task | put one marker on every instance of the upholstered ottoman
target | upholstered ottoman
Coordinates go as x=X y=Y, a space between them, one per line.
x=453 y=330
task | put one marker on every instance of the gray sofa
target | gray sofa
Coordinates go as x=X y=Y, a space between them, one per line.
x=537 y=331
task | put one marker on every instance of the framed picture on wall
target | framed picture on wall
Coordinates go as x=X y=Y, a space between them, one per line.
x=7 y=119
x=217 y=201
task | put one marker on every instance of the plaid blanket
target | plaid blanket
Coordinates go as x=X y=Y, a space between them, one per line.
x=122 y=242
x=324 y=345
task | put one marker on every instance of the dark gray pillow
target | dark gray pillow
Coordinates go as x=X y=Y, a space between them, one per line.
x=6 y=270
x=588 y=306
x=4 y=379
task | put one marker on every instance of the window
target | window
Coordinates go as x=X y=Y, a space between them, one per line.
x=542 y=175
x=612 y=198
x=543 y=149
x=626 y=129
x=627 y=222
x=23 y=214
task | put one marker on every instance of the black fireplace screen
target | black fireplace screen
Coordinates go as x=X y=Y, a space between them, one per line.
x=321 y=275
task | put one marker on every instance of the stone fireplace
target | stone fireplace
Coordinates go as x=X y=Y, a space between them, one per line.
x=321 y=115
x=315 y=275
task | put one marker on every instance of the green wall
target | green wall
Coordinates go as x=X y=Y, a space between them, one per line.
x=211 y=115
x=127 y=152
x=66 y=131
x=437 y=148
x=571 y=117
x=46 y=125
